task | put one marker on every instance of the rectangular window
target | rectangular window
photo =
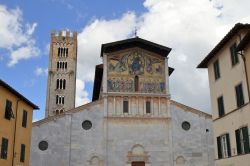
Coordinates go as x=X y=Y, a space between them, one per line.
x=8 y=110
x=125 y=106
x=216 y=70
x=234 y=55
x=220 y=103
x=22 y=154
x=24 y=120
x=223 y=146
x=148 y=107
x=239 y=95
x=4 y=148
x=242 y=140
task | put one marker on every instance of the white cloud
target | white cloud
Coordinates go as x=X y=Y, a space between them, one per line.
x=97 y=33
x=81 y=93
x=41 y=71
x=191 y=28
x=15 y=37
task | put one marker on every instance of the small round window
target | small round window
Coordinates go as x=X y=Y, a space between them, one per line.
x=86 y=125
x=43 y=145
x=186 y=125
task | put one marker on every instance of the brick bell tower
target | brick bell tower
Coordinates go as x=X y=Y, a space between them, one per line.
x=61 y=84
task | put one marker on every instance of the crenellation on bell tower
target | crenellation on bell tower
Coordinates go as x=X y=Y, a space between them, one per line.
x=61 y=84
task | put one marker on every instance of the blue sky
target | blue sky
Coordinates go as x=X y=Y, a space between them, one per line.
x=25 y=34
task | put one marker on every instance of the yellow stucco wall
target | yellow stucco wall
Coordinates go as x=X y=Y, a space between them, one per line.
x=7 y=128
x=124 y=65
x=235 y=118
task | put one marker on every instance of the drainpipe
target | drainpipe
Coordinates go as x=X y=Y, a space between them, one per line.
x=14 y=141
x=245 y=68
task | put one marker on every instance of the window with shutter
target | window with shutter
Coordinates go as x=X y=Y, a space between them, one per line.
x=8 y=110
x=22 y=154
x=216 y=70
x=24 y=120
x=228 y=145
x=219 y=147
x=238 y=141
x=220 y=103
x=239 y=95
x=246 y=139
x=234 y=55
x=4 y=148
x=242 y=140
x=223 y=145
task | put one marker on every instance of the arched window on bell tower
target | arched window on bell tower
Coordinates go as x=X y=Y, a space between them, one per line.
x=136 y=83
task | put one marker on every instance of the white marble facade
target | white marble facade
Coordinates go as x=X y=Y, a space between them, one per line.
x=151 y=129
x=157 y=139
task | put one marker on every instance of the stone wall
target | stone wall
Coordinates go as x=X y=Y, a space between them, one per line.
x=119 y=140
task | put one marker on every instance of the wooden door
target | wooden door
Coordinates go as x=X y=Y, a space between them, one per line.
x=138 y=163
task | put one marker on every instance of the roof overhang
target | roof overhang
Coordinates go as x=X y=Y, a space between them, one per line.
x=12 y=90
x=221 y=44
x=135 y=42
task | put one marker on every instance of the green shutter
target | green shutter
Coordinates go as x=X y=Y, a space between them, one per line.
x=220 y=103
x=216 y=70
x=24 y=120
x=22 y=156
x=234 y=55
x=237 y=135
x=4 y=148
x=8 y=110
x=228 y=145
x=246 y=139
x=219 y=147
x=239 y=95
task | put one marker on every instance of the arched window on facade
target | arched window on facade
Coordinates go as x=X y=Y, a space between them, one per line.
x=64 y=50
x=57 y=99
x=57 y=84
x=61 y=111
x=61 y=52
x=64 y=84
x=62 y=99
x=67 y=51
x=60 y=83
x=65 y=65
x=136 y=83
x=57 y=112
x=58 y=53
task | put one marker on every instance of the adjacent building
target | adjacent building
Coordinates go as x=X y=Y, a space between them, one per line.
x=61 y=84
x=15 y=126
x=131 y=120
x=228 y=67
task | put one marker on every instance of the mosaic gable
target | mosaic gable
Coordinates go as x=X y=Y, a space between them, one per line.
x=136 y=71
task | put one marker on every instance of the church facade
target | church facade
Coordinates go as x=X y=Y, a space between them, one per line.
x=131 y=120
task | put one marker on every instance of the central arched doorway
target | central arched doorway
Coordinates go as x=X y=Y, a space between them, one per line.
x=138 y=156
x=138 y=163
